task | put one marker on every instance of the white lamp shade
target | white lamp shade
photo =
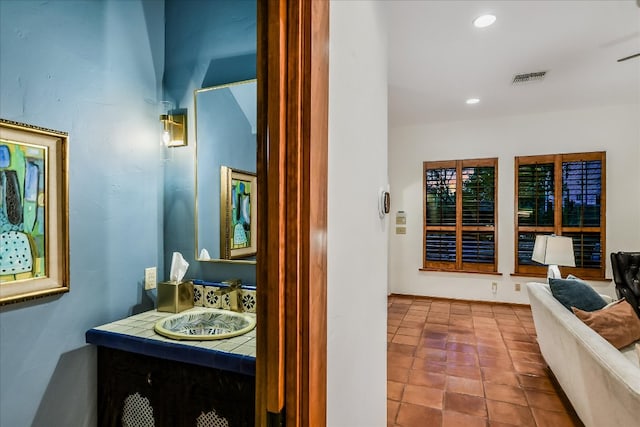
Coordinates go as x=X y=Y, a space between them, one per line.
x=554 y=250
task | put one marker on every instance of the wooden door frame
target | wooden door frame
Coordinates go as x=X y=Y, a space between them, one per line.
x=293 y=75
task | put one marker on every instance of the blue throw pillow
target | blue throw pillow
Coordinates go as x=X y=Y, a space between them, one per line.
x=572 y=277
x=576 y=293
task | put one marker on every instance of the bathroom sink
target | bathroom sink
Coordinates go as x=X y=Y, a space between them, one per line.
x=209 y=324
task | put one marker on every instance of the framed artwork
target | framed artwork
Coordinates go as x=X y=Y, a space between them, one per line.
x=34 y=218
x=238 y=213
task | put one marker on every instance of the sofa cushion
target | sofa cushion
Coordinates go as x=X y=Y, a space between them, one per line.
x=576 y=293
x=617 y=324
x=608 y=299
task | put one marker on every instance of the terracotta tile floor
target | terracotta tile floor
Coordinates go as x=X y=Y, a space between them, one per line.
x=455 y=363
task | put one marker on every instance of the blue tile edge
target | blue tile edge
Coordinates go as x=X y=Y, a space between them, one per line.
x=222 y=285
x=238 y=363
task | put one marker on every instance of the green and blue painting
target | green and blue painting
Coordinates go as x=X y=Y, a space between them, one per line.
x=22 y=211
x=240 y=214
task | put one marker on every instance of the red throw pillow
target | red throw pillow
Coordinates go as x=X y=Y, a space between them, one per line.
x=618 y=323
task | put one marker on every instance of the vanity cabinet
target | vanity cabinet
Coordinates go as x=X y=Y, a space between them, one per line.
x=147 y=380
x=136 y=390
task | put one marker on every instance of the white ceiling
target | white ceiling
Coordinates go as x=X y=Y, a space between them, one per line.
x=438 y=59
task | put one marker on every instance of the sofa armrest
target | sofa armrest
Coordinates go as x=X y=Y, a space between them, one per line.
x=601 y=383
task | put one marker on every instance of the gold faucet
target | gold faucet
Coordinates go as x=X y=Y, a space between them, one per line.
x=233 y=288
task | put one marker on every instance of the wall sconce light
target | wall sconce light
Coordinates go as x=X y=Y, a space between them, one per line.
x=174 y=130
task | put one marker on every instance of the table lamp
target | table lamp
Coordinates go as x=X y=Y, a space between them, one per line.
x=553 y=251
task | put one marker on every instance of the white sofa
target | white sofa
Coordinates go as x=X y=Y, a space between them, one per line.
x=602 y=383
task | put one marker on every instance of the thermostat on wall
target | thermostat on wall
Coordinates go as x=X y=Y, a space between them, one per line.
x=384 y=203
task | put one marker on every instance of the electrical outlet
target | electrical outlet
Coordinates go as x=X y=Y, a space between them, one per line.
x=150 y=278
x=517 y=287
x=494 y=287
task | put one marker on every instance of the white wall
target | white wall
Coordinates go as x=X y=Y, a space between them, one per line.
x=614 y=129
x=357 y=237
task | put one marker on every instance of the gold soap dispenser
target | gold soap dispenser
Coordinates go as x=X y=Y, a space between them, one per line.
x=233 y=290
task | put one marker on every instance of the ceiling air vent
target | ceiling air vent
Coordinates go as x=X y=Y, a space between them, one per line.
x=528 y=77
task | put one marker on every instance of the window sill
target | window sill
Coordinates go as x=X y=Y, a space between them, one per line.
x=442 y=270
x=544 y=278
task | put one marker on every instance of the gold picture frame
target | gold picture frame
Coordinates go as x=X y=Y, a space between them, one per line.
x=34 y=213
x=238 y=213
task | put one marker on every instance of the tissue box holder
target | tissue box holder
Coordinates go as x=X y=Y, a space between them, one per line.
x=175 y=297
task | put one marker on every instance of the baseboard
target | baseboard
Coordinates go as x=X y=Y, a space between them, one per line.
x=471 y=301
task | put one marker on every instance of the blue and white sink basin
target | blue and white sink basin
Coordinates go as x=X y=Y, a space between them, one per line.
x=205 y=324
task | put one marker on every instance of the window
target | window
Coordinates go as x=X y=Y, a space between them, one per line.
x=460 y=215
x=562 y=194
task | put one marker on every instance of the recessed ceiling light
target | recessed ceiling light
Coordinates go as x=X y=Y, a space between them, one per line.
x=472 y=101
x=484 y=21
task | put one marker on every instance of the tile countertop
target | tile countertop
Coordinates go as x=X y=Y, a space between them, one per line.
x=135 y=334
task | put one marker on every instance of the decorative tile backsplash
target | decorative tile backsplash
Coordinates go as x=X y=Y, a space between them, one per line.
x=225 y=302
x=211 y=299
x=198 y=295
x=248 y=300
x=204 y=295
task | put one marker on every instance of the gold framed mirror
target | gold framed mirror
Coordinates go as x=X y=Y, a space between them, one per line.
x=225 y=134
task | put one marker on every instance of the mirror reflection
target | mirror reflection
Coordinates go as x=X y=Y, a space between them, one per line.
x=226 y=186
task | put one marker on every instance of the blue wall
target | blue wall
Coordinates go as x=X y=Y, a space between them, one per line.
x=94 y=70
x=208 y=43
